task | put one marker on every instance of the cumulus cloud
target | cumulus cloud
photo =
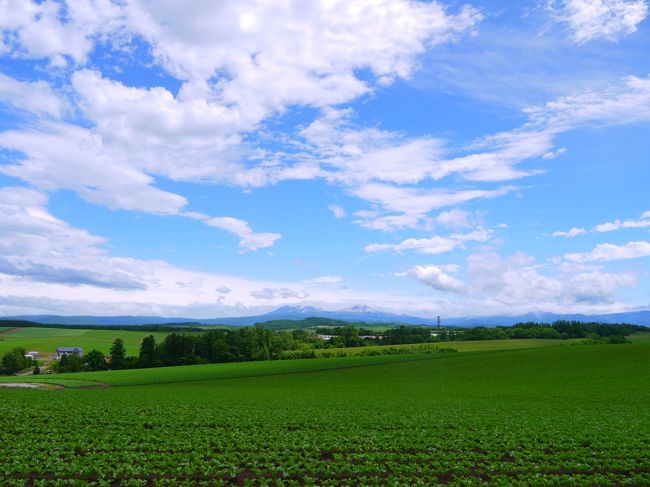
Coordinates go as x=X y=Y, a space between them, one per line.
x=513 y=284
x=235 y=74
x=519 y=282
x=255 y=43
x=606 y=252
x=54 y=30
x=433 y=276
x=32 y=96
x=594 y=19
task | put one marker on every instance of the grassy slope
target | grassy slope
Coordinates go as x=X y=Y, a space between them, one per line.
x=231 y=370
x=45 y=340
x=192 y=373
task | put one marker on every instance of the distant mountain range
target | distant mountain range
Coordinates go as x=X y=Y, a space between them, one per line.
x=354 y=314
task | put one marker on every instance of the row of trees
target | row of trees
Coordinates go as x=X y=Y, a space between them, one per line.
x=15 y=361
x=242 y=345
x=559 y=330
x=259 y=343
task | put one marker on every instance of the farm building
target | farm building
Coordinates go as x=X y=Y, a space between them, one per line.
x=61 y=351
x=32 y=355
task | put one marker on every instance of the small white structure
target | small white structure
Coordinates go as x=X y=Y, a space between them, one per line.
x=32 y=355
x=61 y=351
x=325 y=337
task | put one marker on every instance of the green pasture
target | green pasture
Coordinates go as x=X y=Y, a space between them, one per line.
x=43 y=332
x=639 y=337
x=193 y=373
x=545 y=416
x=461 y=346
x=46 y=340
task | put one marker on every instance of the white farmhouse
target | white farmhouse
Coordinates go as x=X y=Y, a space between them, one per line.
x=61 y=351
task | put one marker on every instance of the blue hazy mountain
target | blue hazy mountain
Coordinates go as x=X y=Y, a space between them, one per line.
x=358 y=313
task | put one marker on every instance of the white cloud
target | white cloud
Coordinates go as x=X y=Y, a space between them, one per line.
x=234 y=75
x=249 y=240
x=606 y=252
x=434 y=277
x=337 y=211
x=574 y=232
x=421 y=201
x=517 y=283
x=553 y=154
x=37 y=246
x=642 y=222
x=594 y=19
x=455 y=219
x=295 y=52
x=374 y=220
x=35 y=96
x=43 y=258
x=325 y=280
x=596 y=286
x=62 y=156
x=433 y=245
x=42 y=30
x=623 y=103
x=271 y=294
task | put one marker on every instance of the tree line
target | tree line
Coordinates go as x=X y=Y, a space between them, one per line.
x=259 y=343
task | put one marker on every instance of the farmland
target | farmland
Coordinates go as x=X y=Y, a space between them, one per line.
x=45 y=340
x=460 y=346
x=564 y=415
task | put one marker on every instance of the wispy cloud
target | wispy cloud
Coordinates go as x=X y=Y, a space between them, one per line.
x=594 y=19
x=642 y=222
x=607 y=252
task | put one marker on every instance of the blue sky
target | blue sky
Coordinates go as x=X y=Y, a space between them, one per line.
x=207 y=159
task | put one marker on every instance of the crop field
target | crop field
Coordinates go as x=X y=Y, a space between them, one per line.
x=460 y=346
x=565 y=415
x=45 y=340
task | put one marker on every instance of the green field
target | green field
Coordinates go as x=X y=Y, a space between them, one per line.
x=461 y=346
x=565 y=415
x=639 y=337
x=45 y=340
